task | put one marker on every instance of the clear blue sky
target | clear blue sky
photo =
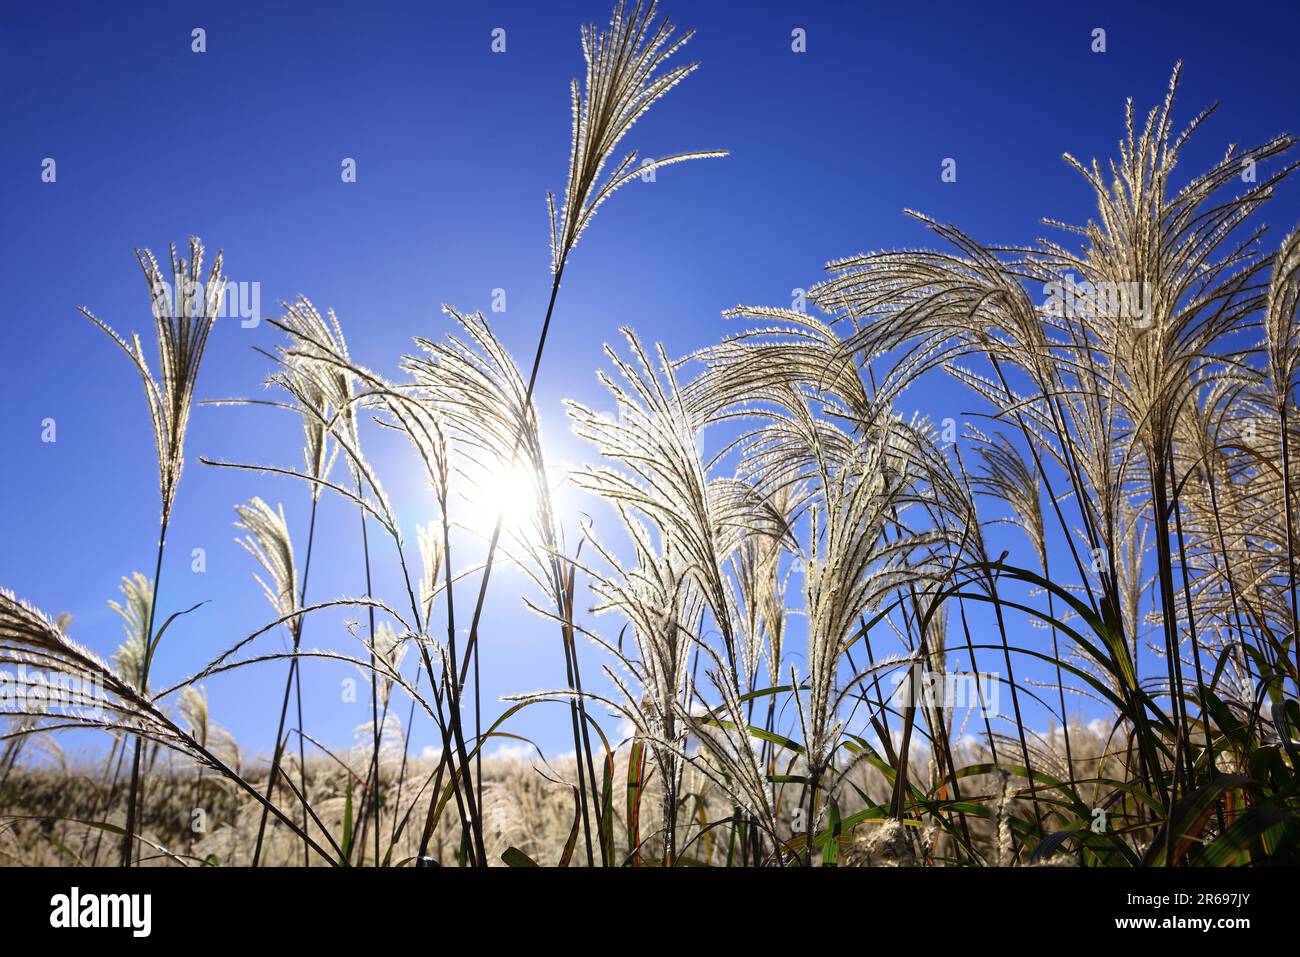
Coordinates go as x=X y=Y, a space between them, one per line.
x=455 y=149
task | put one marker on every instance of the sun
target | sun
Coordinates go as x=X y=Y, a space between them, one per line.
x=509 y=493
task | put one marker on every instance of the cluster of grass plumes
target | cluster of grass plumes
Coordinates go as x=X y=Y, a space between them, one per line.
x=798 y=577
x=64 y=810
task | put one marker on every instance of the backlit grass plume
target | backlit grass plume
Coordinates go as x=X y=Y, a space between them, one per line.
x=267 y=541
x=185 y=307
x=623 y=80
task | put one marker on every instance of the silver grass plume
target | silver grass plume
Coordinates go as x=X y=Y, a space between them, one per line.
x=860 y=489
x=656 y=597
x=1281 y=328
x=429 y=541
x=194 y=712
x=759 y=583
x=1181 y=250
x=322 y=366
x=663 y=476
x=622 y=82
x=729 y=755
x=132 y=656
x=389 y=647
x=321 y=389
x=184 y=313
x=267 y=541
x=1007 y=476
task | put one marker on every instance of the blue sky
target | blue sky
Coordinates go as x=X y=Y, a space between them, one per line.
x=455 y=149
